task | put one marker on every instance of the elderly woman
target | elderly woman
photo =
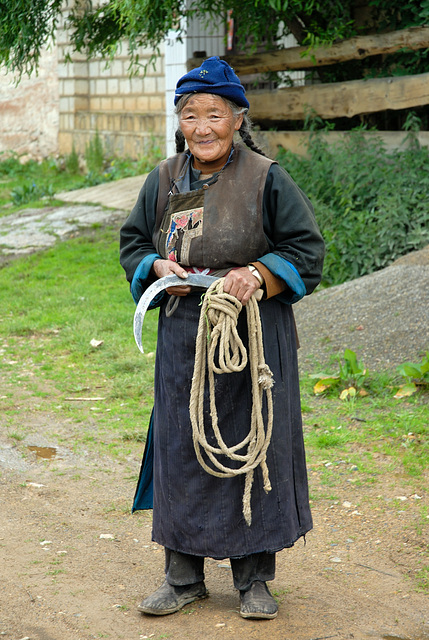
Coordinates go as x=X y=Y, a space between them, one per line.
x=224 y=209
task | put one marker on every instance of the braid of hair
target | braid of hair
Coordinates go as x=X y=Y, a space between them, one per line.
x=180 y=141
x=244 y=132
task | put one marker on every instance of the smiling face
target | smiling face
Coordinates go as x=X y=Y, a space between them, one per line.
x=208 y=124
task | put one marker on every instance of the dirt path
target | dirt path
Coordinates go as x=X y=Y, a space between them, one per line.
x=75 y=562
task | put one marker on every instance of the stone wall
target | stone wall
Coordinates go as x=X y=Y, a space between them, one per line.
x=127 y=112
x=29 y=111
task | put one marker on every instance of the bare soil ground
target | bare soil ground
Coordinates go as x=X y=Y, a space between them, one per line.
x=75 y=563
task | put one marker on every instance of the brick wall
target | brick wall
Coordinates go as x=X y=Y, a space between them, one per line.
x=127 y=112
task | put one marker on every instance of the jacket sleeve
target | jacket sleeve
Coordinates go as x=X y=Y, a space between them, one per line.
x=137 y=253
x=296 y=245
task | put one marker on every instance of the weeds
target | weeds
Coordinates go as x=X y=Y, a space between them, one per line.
x=35 y=183
x=423 y=579
x=416 y=375
x=30 y=192
x=371 y=204
x=94 y=155
x=72 y=162
x=353 y=379
x=350 y=377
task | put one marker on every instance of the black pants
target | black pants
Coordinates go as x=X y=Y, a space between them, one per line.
x=183 y=569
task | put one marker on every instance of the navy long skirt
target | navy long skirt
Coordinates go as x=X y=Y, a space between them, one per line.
x=200 y=514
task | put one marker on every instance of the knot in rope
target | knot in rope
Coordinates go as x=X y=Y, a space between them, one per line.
x=219 y=349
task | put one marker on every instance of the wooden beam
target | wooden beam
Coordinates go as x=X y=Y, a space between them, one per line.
x=297 y=141
x=342 y=99
x=353 y=49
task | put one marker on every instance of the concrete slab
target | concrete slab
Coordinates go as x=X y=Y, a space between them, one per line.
x=119 y=194
x=30 y=230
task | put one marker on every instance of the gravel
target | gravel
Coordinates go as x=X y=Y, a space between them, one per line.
x=383 y=317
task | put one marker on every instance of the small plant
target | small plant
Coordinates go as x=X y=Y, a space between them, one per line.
x=350 y=377
x=134 y=437
x=348 y=394
x=94 y=154
x=72 y=162
x=16 y=436
x=10 y=165
x=152 y=155
x=423 y=579
x=30 y=192
x=416 y=375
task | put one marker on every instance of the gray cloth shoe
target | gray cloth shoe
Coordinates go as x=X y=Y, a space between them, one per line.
x=258 y=602
x=168 y=599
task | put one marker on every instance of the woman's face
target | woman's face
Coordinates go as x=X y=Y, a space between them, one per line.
x=208 y=124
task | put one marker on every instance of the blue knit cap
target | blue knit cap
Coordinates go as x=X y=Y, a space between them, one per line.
x=214 y=76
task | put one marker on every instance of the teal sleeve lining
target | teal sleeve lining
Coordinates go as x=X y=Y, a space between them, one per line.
x=288 y=273
x=141 y=274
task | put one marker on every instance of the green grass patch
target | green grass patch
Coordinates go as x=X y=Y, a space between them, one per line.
x=376 y=436
x=34 y=184
x=53 y=304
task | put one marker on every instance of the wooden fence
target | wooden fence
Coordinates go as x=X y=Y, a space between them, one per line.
x=335 y=100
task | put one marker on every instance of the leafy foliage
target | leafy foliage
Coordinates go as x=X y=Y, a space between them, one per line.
x=72 y=161
x=371 y=204
x=30 y=182
x=101 y=28
x=385 y=15
x=416 y=375
x=94 y=154
x=25 y=27
x=28 y=192
x=350 y=377
x=24 y=182
x=353 y=380
x=145 y=23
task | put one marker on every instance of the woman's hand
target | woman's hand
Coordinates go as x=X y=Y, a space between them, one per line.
x=241 y=284
x=163 y=268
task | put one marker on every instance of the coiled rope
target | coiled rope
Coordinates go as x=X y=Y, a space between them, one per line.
x=217 y=331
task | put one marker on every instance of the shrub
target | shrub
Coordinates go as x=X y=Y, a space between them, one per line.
x=371 y=204
x=30 y=192
x=72 y=162
x=94 y=154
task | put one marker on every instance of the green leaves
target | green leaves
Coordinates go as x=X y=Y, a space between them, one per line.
x=371 y=204
x=417 y=375
x=101 y=28
x=25 y=27
x=350 y=377
x=30 y=192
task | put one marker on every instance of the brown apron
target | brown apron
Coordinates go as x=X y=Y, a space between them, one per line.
x=200 y=228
